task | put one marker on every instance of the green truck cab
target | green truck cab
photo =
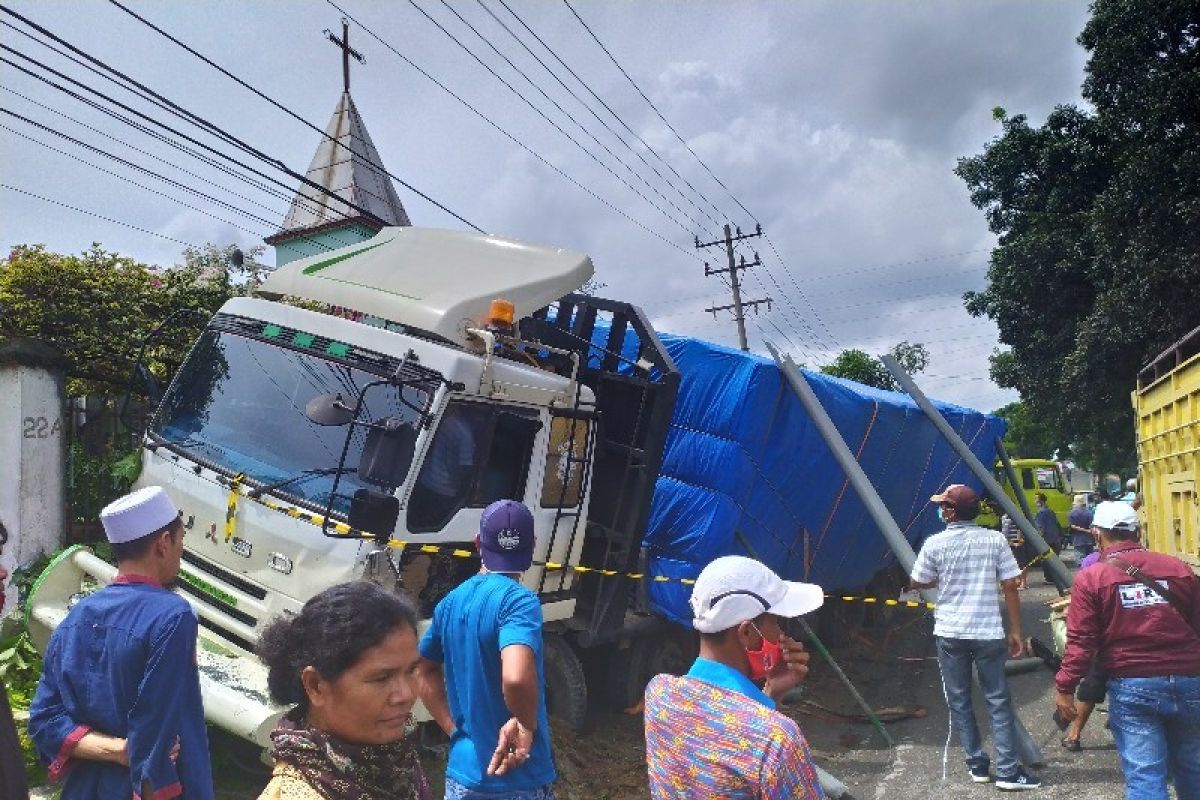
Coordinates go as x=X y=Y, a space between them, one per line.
x=1036 y=475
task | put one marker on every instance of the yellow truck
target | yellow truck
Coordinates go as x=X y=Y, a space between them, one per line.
x=1036 y=475
x=1167 y=408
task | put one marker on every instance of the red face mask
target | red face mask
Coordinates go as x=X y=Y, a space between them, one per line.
x=765 y=658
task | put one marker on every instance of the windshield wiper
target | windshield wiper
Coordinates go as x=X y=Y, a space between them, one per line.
x=299 y=476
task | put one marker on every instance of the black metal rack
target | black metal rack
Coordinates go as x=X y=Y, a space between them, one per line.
x=635 y=397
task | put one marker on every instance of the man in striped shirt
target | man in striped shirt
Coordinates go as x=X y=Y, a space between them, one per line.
x=713 y=733
x=966 y=563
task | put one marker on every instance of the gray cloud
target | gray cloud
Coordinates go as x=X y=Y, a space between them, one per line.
x=838 y=124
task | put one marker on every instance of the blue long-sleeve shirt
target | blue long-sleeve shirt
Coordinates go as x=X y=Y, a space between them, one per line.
x=123 y=663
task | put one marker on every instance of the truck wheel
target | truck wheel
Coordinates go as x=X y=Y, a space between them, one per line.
x=670 y=651
x=566 y=687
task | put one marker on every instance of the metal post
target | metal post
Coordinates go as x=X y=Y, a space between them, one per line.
x=900 y=546
x=1012 y=478
x=1027 y=748
x=1058 y=571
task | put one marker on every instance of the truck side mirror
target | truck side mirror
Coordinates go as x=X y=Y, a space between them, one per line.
x=329 y=409
x=387 y=453
x=374 y=512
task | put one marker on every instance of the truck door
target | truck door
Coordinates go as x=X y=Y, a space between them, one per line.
x=480 y=452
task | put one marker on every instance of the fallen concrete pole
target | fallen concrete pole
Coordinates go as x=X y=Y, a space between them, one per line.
x=833 y=788
x=1013 y=481
x=1058 y=571
x=1027 y=749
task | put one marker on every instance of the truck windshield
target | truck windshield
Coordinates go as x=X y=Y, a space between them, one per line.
x=238 y=404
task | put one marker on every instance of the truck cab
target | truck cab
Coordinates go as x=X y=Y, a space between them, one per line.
x=1035 y=475
x=354 y=420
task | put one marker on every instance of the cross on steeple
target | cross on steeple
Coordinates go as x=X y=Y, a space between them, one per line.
x=347 y=51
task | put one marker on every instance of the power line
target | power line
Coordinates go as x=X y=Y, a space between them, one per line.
x=128 y=109
x=895 y=264
x=98 y=216
x=178 y=111
x=533 y=107
x=650 y=102
x=505 y=133
x=130 y=180
x=590 y=110
x=577 y=123
x=146 y=153
x=296 y=116
x=827 y=332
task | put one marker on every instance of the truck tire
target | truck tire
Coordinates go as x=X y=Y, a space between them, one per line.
x=566 y=687
x=670 y=651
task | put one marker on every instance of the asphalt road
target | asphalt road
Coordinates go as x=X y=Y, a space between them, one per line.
x=914 y=768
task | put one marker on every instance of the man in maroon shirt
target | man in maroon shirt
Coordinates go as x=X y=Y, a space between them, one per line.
x=1148 y=642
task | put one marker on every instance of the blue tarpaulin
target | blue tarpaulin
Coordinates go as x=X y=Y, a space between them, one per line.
x=743 y=459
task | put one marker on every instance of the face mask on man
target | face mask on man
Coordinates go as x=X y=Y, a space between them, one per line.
x=765 y=658
x=941 y=514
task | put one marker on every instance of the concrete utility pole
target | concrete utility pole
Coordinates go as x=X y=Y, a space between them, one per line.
x=1058 y=571
x=738 y=305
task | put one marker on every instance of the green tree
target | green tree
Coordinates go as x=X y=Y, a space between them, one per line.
x=859 y=366
x=1098 y=263
x=97 y=306
x=1029 y=436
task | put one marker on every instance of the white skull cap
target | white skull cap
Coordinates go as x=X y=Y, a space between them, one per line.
x=138 y=514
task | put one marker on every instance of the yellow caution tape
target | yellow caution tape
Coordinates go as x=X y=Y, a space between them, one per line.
x=433 y=549
x=231 y=504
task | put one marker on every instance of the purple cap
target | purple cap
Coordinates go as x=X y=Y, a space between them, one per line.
x=506 y=537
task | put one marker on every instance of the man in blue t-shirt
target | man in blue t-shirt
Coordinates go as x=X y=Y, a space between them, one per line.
x=481 y=673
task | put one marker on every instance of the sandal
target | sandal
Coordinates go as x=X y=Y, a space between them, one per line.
x=1071 y=745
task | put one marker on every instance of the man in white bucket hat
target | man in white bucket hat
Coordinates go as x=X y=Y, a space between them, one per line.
x=117 y=711
x=714 y=733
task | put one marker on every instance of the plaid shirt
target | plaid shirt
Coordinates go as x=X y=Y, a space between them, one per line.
x=712 y=734
x=967 y=562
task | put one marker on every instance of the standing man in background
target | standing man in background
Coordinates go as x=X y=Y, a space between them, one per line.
x=1080 y=522
x=1047 y=522
x=965 y=562
x=481 y=673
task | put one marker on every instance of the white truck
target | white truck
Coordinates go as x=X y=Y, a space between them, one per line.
x=354 y=419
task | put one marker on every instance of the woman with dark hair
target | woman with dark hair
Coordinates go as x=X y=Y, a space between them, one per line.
x=348 y=662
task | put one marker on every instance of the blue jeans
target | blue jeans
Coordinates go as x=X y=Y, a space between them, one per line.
x=1156 y=723
x=456 y=791
x=955 y=657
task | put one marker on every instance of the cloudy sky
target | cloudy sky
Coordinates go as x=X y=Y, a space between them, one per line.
x=836 y=124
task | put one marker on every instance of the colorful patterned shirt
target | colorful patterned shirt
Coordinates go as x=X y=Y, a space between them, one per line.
x=703 y=739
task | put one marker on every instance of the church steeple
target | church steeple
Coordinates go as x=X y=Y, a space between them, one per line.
x=348 y=165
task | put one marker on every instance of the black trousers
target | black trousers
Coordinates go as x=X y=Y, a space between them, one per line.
x=12 y=762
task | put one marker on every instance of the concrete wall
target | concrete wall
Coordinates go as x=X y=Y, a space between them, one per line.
x=32 y=458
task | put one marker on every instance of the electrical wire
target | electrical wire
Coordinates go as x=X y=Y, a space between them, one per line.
x=618 y=118
x=173 y=108
x=588 y=107
x=532 y=106
x=128 y=109
x=296 y=116
x=98 y=216
x=504 y=132
x=129 y=180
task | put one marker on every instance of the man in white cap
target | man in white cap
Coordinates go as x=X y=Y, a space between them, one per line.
x=713 y=732
x=117 y=711
x=966 y=562
x=1138 y=614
